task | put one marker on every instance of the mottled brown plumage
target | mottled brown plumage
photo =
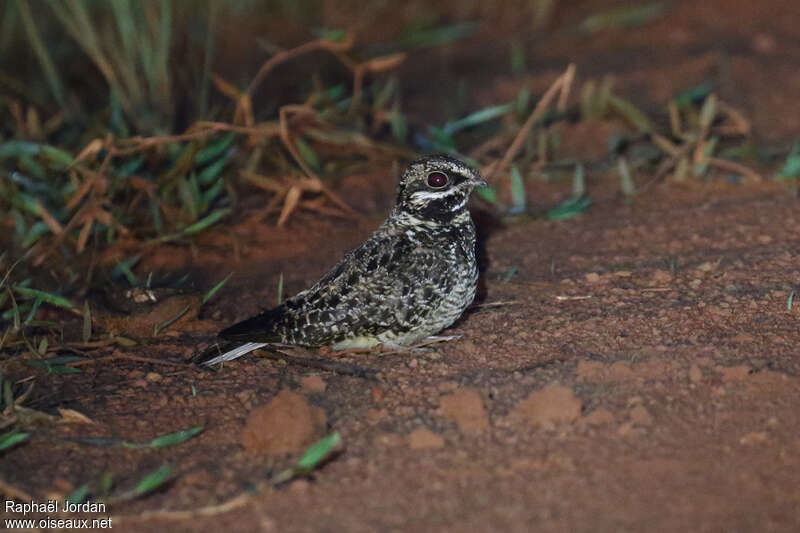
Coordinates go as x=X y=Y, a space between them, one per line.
x=411 y=278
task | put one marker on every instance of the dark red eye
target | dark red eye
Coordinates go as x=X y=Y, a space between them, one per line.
x=437 y=180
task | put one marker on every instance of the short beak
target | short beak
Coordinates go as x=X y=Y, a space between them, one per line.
x=478 y=181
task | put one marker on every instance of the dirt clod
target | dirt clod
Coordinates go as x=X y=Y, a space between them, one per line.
x=593 y=277
x=423 y=438
x=695 y=374
x=313 y=384
x=598 y=417
x=621 y=371
x=733 y=373
x=377 y=394
x=465 y=406
x=590 y=370
x=640 y=415
x=549 y=406
x=286 y=424
x=755 y=437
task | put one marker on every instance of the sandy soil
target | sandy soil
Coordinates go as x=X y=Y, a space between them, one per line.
x=638 y=372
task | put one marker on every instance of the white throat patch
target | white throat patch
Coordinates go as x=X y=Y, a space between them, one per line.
x=423 y=197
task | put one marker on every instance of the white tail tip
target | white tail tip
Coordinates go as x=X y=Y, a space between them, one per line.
x=230 y=355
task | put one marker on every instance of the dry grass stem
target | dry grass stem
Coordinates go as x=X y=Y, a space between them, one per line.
x=560 y=84
x=732 y=166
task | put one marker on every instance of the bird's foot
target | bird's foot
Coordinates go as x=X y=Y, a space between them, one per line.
x=388 y=348
x=421 y=347
x=328 y=352
x=435 y=339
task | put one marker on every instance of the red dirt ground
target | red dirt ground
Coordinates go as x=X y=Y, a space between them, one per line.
x=639 y=372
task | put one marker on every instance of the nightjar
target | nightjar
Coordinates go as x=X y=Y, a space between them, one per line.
x=410 y=279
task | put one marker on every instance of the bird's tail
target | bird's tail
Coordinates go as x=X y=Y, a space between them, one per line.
x=237 y=351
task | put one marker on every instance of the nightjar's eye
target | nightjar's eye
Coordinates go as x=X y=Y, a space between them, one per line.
x=437 y=180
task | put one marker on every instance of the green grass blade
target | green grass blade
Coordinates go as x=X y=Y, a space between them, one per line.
x=213 y=192
x=708 y=112
x=162 y=50
x=187 y=197
x=517 y=58
x=61 y=370
x=42 y=55
x=307 y=153
x=159 y=327
x=152 y=481
x=175 y=438
x=130 y=166
x=54 y=361
x=791 y=168
x=478 y=117
x=26 y=148
x=510 y=273
x=631 y=113
x=78 y=495
x=523 y=100
x=56 y=156
x=105 y=484
x=8 y=395
x=208 y=57
x=210 y=173
x=517 y=191
x=56 y=365
x=578 y=182
x=50 y=298
x=420 y=37
x=488 y=194
x=441 y=140
x=11 y=439
x=628 y=16
x=314 y=456
x=329 y=34
x=124 y=268
x=695 y=94
x=569 y=208
x=33 y=310
x=18 y=149
x=207 y=221
x=216 y=288
x=155 y=211
x=398 y=123
x=14 y=310
x=26 y=202
x=195 y=196
x=318 y=452
x=30 y=166
x=212 y=151
x=626 y=183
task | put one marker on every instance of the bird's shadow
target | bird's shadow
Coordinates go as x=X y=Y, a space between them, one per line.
x=486 y=225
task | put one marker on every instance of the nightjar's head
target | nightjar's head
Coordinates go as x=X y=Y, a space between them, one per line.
x=437 y=187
